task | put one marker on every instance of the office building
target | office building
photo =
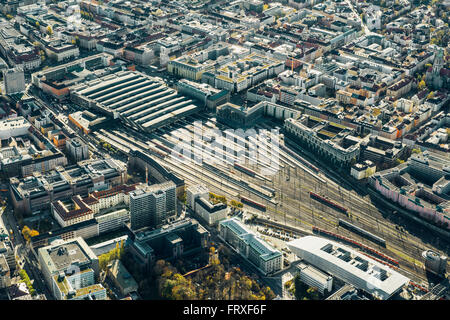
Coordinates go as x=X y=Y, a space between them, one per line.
x=112 y=221
x=5 y=275
x=315 y=278
x=14 y=80
x=70 y=270
x=86 y=229
x=7 y=250
x=19 y=292
x=241 y=74
x=349 y=265
x=99 y=205
x=17 y=49
x=173 y=240
x=329 y=140
x=194 y=192
x=71 y=212
x=363 y=170
x=239 y=116
x=435 y=262
x=210 y=212
x=37 y=192
x=267 y=259
x=419 y=185
x=152 y=205
x=14 y=127
x=208 y=96
x=77 y=150
x=197 y=198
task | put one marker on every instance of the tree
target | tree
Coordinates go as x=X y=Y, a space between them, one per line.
x=313 y=293
x=298 y=286
x=34 y=233
x=217 y=198
x=26 y=232
x=29 y=233
x=430 y=95
x=106 y=258
x=26 y=279
x=182 y=198
x=49 y=30
x=421 y=85
x=236 y=204
x=268 y=293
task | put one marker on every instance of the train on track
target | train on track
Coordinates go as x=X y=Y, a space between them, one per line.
x=328 y=202
x=254 y=204
x=244 y=169
x=362 y=233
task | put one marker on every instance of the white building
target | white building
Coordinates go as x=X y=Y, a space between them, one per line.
x=363 y=170
x=267 y=259
x=100 y=200
x=197 y=198
x=62 y=52
x=77 y=286
x=70 y=269
x=14 y=80
x=72 y=212
x=373 y=18
x=349 y=265
x=315 y=278
x=193 y=192
x=112 y=221
x=211 y=213
x=13 y=127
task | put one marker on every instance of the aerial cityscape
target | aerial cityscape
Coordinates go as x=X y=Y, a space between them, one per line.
x=224 y=150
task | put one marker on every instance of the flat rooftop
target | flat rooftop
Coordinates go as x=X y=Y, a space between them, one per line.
x=334 y=257
x=65 y=255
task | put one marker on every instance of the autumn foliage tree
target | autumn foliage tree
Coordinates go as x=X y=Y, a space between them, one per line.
x=422 y=85
x=217 y=198
x=303 y=292
x=116 y=253
x=29 y=233
x=212 y=282
x=236 y=204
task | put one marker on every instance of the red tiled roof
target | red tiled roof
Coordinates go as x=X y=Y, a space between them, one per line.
x=68 y=215
x=106 y=193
